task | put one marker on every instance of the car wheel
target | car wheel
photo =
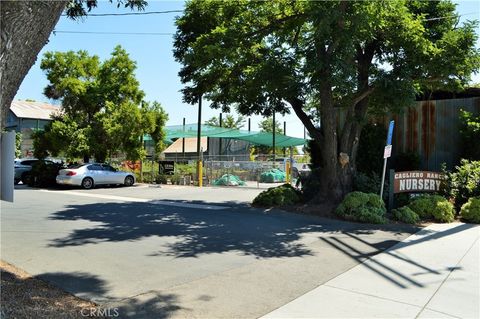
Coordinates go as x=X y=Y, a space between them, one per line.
x=27 y=179
x=129 y=181
x=87 y=183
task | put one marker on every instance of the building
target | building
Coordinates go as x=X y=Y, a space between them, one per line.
x=213 y=149
x=27 y=117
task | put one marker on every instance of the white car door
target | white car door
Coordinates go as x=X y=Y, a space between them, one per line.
x=97 y=173
x=111 y=175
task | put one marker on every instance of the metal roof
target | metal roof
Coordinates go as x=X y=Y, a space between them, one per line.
x=34 y=110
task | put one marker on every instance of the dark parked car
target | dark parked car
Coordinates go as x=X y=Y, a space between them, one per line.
x=23 y=168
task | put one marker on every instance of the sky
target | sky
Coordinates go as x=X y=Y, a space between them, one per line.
x=157 y=70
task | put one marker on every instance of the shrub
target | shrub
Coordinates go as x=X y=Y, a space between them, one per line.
x=175 y=179
x=405 y=215
x=186 y=169
x=362 y=207
x=470 y=135
x=471 y=210
x=463 y=183
x=161 y=179
x=367 y=183
x=276 y=196
x=433 y=206
x=370 y=183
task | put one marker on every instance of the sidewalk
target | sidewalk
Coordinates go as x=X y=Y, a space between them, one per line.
x=431 y=274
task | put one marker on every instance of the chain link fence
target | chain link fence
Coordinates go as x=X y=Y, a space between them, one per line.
x=215 y=167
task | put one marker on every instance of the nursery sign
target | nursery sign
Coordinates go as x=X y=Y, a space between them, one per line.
x=417 y=181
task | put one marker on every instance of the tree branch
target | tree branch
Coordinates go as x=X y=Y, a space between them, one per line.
x=297 y=106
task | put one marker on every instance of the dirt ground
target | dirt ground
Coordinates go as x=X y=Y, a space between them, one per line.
x=24 y=296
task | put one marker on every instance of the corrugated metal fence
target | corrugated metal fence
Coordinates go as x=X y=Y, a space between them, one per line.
x=431 y=129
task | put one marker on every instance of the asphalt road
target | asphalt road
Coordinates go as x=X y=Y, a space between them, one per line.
x=180 y=251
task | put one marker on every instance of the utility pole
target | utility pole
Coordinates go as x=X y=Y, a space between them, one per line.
x=199 y=136
x=273 y=136
x=284 y=133
x=183 y=140
x=220 y=139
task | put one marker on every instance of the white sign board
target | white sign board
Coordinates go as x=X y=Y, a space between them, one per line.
x=388 y=151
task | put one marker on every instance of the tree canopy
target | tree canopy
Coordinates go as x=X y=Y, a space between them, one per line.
x=228 y=122
x=26 y=27
x=322 y=59
x=103 y=107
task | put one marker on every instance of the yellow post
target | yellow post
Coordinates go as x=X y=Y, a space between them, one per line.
x=287 y=171
x=200 y=173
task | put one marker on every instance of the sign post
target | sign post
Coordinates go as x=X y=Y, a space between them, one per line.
x=386 y=154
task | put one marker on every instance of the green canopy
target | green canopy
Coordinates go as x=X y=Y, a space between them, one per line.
x=258 y=138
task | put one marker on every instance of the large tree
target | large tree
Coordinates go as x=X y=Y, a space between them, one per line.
x=228 y=122
x=103 y=110
x=322 y=58
x=25 y=29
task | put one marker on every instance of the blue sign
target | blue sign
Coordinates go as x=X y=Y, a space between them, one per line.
x=390 y=132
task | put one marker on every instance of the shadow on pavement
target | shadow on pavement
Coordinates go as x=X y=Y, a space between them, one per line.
x=395 y=276
x=246 y=230
x=151 y=304
x=77 y=283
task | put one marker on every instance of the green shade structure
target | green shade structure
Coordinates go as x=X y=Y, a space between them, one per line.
x=258 y=138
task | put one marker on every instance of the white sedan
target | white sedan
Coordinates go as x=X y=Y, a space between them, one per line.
x=91 y=174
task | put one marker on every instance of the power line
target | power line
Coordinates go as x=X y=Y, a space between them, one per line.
x=127 y=14
x=119 y=33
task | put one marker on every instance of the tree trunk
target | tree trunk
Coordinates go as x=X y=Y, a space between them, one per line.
x=25 y=28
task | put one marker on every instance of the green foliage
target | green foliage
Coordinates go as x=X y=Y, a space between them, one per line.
x=228 y=122
x=186 y=169
x=367 y=183
x=278 y=196
x=471 y=210
x=463 y=183
x=362 y=207
x=406 y=215
x=103 y=108
x=318 y=56
x=18 y=144
x=78 y=8
x=175 y=179
x=161 y=179
x=433 y=206
x=470 y=135
x=408 y=161
x=370 y=149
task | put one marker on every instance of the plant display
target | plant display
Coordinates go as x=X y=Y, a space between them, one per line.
x=362 y=207
x=471 y=210
x=277 y=196
x=463 y=183
x=433 y=206
x=161 y=179
x=405 y=215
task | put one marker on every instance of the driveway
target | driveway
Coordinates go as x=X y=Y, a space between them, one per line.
x=180 y=251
